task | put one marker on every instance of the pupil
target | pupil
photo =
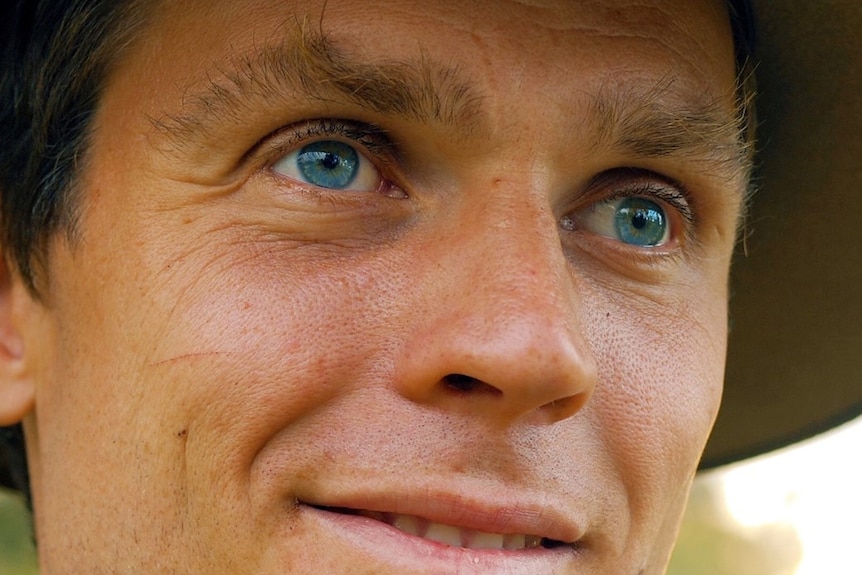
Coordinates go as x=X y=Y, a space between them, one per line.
x=330 y=161
x=639 y=220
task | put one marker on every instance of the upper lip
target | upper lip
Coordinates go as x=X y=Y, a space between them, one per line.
x=503 y=513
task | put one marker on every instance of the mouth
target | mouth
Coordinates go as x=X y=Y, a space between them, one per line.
x=450 y=535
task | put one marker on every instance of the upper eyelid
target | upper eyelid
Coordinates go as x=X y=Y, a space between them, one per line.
x=629 y=182
x=669 y=195
x=369 y=137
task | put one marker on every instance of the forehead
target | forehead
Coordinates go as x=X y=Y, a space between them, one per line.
x=382 y=23
x=536 y=47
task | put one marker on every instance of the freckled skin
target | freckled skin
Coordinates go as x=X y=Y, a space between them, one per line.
x=220 y=343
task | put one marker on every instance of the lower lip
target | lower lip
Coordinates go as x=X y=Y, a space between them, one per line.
x=411 y=554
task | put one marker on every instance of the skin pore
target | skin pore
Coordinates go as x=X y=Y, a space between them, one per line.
x=233 y=369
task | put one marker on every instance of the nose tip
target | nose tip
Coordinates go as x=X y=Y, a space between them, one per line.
x=520 y=368
x=498 y=332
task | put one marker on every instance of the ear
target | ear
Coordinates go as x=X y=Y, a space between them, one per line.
x=17 y=389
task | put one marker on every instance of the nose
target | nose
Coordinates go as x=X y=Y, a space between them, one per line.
x=497 y=331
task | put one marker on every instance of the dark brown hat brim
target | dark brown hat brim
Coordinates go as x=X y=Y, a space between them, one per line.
x=795 y=351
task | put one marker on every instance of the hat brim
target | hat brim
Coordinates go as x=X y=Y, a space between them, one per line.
x=795 y=349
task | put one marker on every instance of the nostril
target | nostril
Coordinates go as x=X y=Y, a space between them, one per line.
x=465 y=383
x=461 y=382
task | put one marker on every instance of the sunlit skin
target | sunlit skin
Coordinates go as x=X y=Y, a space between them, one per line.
x=221 y=346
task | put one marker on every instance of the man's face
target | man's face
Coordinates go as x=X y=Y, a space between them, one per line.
x=354 y=282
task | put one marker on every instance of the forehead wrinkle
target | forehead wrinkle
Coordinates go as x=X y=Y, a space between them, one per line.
x=307 y=68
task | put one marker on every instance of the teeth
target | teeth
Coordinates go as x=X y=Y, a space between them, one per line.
x=454 y=536
x=444 y=534
x=515 y=542
x=488 y=541
x=408 y=524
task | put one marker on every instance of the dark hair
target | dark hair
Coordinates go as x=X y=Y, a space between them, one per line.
x=54 y=58
x=56 y=55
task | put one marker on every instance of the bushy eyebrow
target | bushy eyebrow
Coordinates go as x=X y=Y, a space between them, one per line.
x=306 y=67
x=660 y=121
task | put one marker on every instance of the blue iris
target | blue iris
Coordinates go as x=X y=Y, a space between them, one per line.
x=328 y=164
x=640 y=222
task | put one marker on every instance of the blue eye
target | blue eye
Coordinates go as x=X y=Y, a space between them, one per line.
x=329 y=164
x=640 y=222
x=635 y=220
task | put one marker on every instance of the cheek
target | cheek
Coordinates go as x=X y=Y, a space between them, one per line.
x=268 y=343
x=662 y=367
x=190 y=377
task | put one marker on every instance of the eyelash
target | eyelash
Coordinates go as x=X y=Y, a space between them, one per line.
x=628 y=181
x=369 y=137
x=673 y=195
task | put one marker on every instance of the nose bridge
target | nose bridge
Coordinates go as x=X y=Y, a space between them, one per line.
x=502 y=335
x=523 y=254
x=513 y=256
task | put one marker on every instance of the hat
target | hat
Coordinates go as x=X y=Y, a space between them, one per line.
x=795 y=349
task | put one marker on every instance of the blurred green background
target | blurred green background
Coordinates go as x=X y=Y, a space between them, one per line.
x=17 y=556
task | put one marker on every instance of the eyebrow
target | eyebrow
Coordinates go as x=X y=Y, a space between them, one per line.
x=307 y=67
x=661 y=121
